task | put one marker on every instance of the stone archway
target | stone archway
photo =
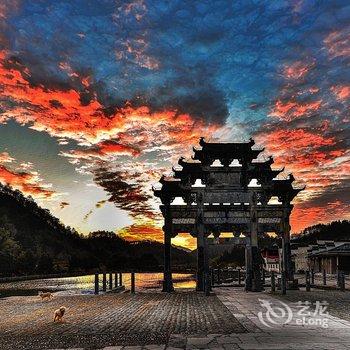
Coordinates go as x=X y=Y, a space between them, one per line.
x=224 y=203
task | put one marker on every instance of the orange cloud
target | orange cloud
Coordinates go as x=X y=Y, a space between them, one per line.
x=342 y=92
x=315 y=159
x=289 y=110
x=102 y=150
x=23 y=179
x=62 y=114
x=142 y=231
x=28 y=183
x=297 y=70
x=304 y=216
x=338 y=43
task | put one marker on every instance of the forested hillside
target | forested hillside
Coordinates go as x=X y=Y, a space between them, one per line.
x=32 y=241
x=336 y=230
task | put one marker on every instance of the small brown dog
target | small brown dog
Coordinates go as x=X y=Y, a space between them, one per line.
x=58 y=315
x=45 y=295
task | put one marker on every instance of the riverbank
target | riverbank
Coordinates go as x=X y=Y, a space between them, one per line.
x=7 y=279
x=85 y=284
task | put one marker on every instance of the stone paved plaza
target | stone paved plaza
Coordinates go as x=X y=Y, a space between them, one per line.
x=183 y=320
x=97 y=321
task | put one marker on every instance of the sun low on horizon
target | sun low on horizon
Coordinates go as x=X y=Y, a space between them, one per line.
x=98 y=99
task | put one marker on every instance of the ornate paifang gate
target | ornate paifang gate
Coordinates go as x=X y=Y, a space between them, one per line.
x=225 y=203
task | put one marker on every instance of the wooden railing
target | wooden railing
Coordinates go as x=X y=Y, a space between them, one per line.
x=115 y=282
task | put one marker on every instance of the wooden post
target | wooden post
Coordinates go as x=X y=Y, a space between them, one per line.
x=96 y=284
x=239 y=277
x=219 y=275
x=212 y=278
x=115 y=280
x=273 y=281
x=283 y=283
x=324 y=277
x=312 y=277
x=307 y=280
x=133 y=282
x=110 y=281
x=120 y=278
x=104 y=282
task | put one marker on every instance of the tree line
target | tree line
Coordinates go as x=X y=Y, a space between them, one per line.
x=33 y=241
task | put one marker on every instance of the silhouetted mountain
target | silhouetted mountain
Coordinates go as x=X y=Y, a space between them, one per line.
x=335 y=230
x=32 y=241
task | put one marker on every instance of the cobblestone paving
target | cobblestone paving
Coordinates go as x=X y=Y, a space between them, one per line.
x=177 y=321
x=93 y=322
x=245 y=307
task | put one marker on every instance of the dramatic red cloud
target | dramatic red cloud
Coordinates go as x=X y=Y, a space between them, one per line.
x=129 y=132
x=102 y=150
x=62 y=114
x=296 y=144
x=28 y=183
x=289 y=110
x=303 y=134
x=316 y=160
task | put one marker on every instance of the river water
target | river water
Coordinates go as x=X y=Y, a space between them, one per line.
x=85 y=284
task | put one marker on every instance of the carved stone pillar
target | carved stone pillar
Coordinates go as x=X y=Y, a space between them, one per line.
x=200 y=260
x=202 y=254
x=206 y=266
x=256 y=259
x=286 y=249
x=248 y=265
x=168 y=280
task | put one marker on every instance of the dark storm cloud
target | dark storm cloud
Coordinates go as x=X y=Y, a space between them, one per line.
x=339 y=192
x=125 y=195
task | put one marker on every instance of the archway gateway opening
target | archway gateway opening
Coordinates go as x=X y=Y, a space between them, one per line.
x=231 y=198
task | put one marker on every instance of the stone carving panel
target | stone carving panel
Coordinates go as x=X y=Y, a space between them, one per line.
x=226 y=197
x=222 y=179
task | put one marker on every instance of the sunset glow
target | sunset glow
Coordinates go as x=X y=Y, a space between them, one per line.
x=97 y=101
